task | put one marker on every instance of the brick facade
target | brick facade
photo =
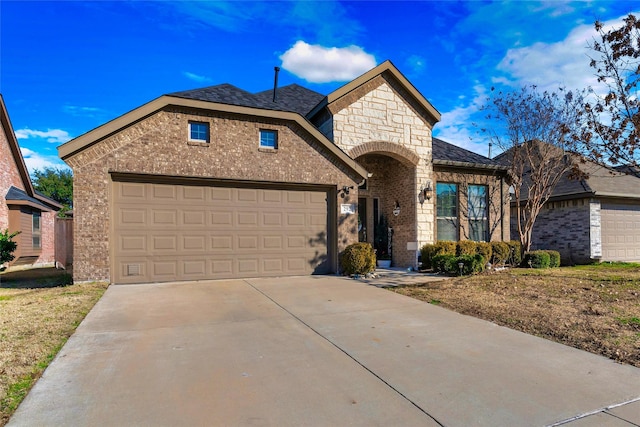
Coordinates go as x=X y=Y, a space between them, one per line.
x=18 y=217
x=563 y=226
x=497 y=203
x=158 y=145
x=9 y=176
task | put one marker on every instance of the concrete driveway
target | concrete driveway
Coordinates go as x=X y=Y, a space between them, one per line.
x=314 y=351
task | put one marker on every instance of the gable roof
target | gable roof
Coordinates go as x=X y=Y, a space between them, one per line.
x=602 y=181
x=14 y=147
x=294 y=98
x=92 y=137
x=446 y=154
x=389 y=69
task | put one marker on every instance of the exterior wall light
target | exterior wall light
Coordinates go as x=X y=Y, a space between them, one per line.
x=396 y=209
x=344 y=191
x=426 y=193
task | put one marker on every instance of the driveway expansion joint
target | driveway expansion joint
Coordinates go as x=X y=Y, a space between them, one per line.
x=347 y=354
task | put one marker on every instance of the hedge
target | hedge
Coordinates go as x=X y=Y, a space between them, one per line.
x=536 y=259
x=500 y=253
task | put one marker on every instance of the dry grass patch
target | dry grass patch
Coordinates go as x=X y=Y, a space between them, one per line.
x=34 y=324
x=593 y=308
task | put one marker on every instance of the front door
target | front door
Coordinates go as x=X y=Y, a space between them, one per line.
x=362 y=219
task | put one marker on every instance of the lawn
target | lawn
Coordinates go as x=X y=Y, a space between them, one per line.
x=39 y=310
x=594 y=308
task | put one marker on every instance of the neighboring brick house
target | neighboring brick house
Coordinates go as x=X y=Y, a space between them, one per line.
x=219 y=182
x=22 y=209
x=592 y=219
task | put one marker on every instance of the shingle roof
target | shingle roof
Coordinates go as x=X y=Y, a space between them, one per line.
x=292 y=98
x=445 y=153
x=601 y=181
x=17 y=195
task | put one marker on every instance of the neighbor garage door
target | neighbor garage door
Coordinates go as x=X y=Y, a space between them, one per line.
x=620 y=232
x=191 y=232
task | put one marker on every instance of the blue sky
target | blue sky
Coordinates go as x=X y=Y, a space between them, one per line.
x=67 y=67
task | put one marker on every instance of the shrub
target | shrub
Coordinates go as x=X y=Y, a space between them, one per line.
x=499 y=252
x=538 y=259
x=427 y=252
x=445 y=247
x=466 y=247
x=7 y=247
x=554 y=258
x=479 y=263
x=484 y=249
x=515 y=254
x=448 y=264
x=443 y=263
x=358 y=258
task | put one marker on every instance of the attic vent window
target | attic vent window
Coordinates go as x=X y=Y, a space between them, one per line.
x=268 y=138
x=199 y=131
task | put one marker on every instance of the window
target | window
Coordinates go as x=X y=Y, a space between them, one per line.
x=447 y=211
x=477 y=203
x=199 y=131
x=268 y=138
x=36 y=232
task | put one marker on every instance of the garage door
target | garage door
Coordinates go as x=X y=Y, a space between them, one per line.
x=620 y=232
x=185 y=232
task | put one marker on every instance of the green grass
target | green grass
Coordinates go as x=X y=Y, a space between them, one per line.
x=5 y=297
x=629 y=320
x=15 y=393
x=609 y=266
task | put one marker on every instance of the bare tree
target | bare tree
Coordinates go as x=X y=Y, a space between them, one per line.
x=612 y=131
x=536 y=133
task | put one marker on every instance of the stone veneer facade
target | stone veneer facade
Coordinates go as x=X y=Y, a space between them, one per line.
x=378 y=118
x=158 y=145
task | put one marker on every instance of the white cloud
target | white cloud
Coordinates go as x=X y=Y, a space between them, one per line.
x=35 y=160
x=319 y=64
x=57 y=136
x=456 y=126
x=550 y=65
x=196 y=78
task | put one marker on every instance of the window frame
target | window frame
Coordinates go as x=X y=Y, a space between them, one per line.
x=451 y=219
x=36 y=232
x=265 y=132
x=474 y=215
x=192 y=124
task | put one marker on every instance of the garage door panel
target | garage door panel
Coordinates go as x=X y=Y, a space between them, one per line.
x=190 y=194
x=164 y=192
x=132 y=191
x=620 y=231
x=224 y=219
x=165 y=243
x=167 y=269
x=172 y=232
x=132 y=216
x=164 y=217
x=194 y=243
x=244 y=219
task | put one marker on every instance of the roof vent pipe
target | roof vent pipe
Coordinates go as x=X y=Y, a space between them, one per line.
x=275 y=84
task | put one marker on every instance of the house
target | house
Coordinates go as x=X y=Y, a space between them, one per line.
x=596 y=218
x=219 y=182
x=22 y=209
